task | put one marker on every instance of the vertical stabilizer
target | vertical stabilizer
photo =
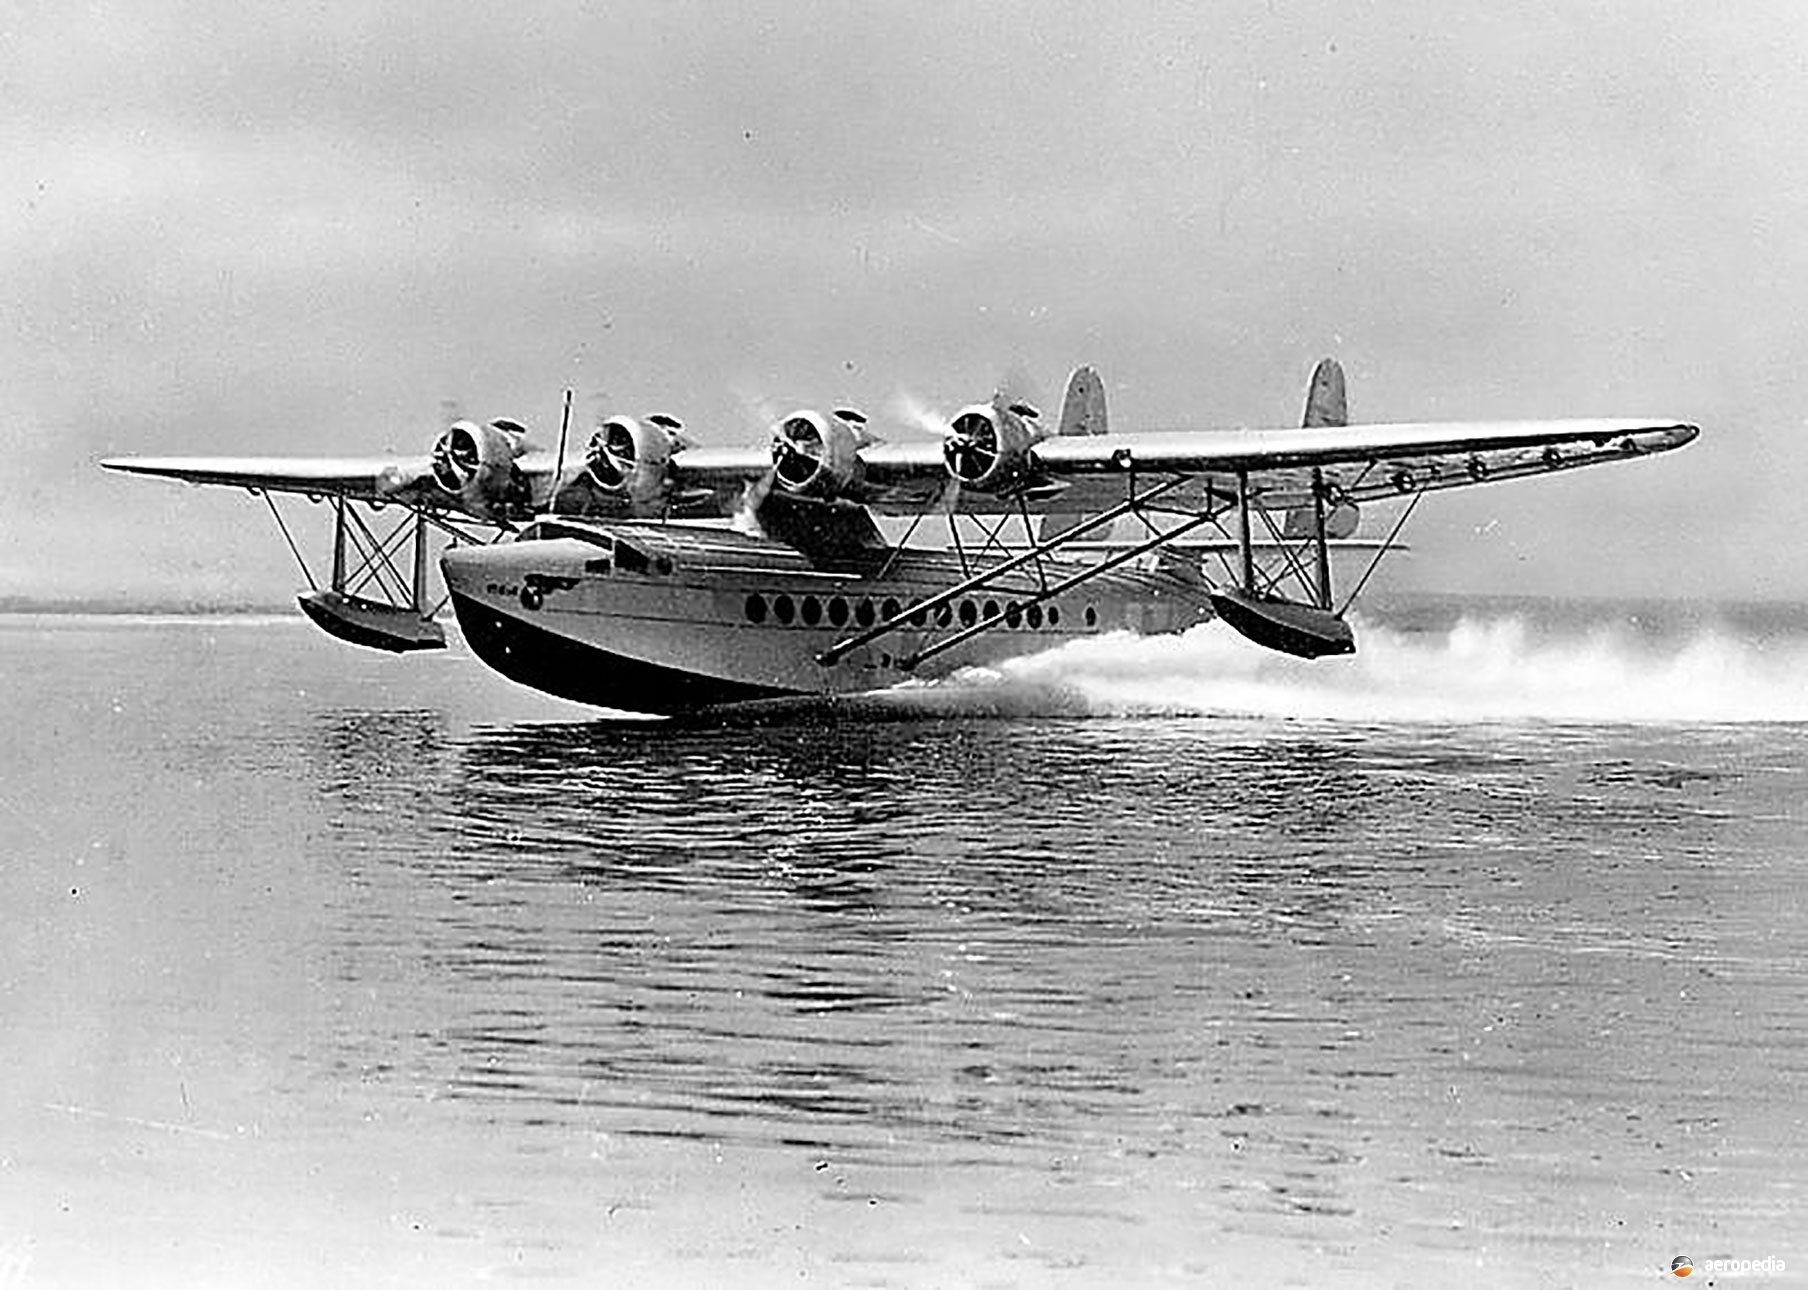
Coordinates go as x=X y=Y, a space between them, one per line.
x=1325 y=405
x=1083 y=410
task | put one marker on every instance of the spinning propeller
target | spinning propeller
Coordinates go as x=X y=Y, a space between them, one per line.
x=987 y=444
x=797 y=451
x=476 y=464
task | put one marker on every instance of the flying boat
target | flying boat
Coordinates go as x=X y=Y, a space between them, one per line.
x=654 y=574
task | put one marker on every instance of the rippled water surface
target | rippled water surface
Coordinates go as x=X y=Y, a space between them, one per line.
x=332 y=969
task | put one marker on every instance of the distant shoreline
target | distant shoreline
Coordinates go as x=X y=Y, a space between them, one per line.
x=1378 y=603
x=23 y=606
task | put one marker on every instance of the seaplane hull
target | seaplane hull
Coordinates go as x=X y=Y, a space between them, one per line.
x=652 y=618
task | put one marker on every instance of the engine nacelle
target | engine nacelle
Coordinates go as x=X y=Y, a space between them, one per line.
x=476 y=464
x=818 y=455
x=988 y=445
x=628 y=459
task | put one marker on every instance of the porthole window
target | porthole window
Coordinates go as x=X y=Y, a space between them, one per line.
x=991 y=609
x=1034 y=615
x=1092 y=616
x=838 y=612
x=891 y=609
x=1013 y=615
x=756 y=608
x=812 y=611
x=1054 y=615
x=969 y=613
x=863 y=612
x=919 y=618
x=782 y=609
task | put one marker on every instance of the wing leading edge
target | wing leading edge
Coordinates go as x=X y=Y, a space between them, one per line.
x=1063 y=472
x=359 y=478
x=1358 y=462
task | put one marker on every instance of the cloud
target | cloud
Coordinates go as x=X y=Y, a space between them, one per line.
x=279 y=228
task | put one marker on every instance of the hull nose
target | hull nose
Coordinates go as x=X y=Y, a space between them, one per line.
x=503 y=575
x=511 y=604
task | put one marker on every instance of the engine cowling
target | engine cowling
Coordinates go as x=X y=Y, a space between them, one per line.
x=628 y=459
x=476 y=463
x=988 y=445
x=818 y=455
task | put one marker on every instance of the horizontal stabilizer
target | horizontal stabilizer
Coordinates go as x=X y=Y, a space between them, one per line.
x=1305 y=631
x=1340 y=521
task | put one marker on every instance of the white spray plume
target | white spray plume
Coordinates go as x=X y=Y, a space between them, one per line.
x=1484 y=669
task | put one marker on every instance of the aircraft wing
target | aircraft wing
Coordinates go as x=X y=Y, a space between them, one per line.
x=361 y=478
x=364 y=479
x=1358 y=462
x=1064 y=473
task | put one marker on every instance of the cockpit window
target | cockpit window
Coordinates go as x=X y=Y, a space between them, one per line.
x=543 y=530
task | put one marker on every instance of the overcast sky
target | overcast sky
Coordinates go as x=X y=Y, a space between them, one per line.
x=284 y=228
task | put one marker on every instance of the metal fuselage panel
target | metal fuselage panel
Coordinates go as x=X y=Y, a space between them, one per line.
x=654 y=618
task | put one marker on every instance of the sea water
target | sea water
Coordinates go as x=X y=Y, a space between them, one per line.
x=1479 y=957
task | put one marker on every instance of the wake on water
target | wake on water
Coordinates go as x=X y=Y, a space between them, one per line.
x=1499 y=668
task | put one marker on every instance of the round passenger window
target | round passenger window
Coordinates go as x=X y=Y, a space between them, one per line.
x=1034 y=615
x=782 y=608
x=812 y=611
x=838 y=612
x=969 y=613
x=863 y=612
x=756 y=608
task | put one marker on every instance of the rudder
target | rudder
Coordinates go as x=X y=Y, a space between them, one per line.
x=1326 y=405
x=1083 y=409
x=1325 y=402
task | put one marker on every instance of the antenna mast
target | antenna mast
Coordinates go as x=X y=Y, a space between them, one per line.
x=558 y=470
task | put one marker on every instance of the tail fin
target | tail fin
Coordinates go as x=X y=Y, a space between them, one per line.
x=1325 y=405
x=1083 y=410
